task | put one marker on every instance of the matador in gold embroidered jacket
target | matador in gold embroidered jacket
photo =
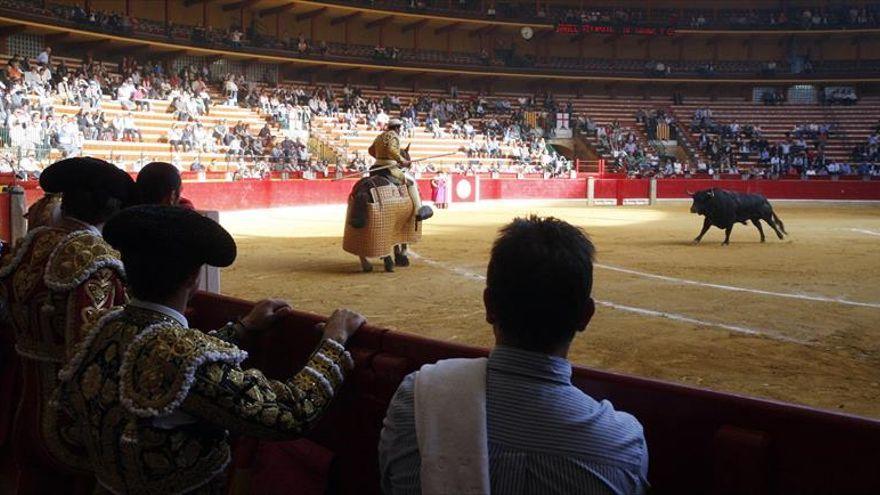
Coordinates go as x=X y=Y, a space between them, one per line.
x=57 y=280
x=159 y=400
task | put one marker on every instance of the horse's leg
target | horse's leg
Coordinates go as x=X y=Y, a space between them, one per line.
x=366 y=266
x=400 y=257
x=389 y=263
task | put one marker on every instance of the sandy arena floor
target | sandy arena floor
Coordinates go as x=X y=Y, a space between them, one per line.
x=795 y=320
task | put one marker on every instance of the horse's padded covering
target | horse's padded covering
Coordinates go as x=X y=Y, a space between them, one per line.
x=390 y=221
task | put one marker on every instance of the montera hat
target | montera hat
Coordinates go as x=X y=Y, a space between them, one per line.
x=90 y=174
x=179 y=236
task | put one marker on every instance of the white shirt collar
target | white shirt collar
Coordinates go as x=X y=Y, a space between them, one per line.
x=159 y=308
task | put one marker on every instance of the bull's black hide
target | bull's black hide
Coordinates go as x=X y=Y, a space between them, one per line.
x=723 y=209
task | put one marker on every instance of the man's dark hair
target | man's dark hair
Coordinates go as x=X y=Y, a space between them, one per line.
x=156 y=181
x=153 y=278
x=539 y=280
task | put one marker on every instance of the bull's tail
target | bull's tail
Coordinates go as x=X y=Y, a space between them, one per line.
x=779 y=223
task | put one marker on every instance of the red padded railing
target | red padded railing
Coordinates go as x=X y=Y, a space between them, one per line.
x=700 y=441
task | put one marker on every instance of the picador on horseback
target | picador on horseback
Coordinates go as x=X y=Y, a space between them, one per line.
x=385 y=210
x=386 y=150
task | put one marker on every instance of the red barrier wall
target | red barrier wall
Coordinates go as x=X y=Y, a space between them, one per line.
x=252 y=194
x=606 y=188
x=249 y=194
x=633 y=189
x=5 y=232
x=777 y=189
x=533 y=188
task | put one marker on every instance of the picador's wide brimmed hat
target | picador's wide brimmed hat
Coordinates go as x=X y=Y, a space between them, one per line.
x=169 y=233
x=395 y=122
x=90 y=174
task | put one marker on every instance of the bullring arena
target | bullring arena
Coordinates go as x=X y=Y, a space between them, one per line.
x=313 y=129
x=790 y=320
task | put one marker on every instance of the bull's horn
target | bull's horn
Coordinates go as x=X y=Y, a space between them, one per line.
x=689 y=193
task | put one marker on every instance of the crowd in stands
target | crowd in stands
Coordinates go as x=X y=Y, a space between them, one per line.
x=30 y=92
x=831 y=17
x=496 y=130
x=801 y=151
x=772 y=98
x=498 y=135
x=250 y=37
x=35 y=129
x=619 y=143
x=382 y=53
x=867 y=155
x=631 y=155
x=843 y=95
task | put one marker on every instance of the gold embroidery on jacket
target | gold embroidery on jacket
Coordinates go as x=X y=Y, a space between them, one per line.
x=147 y=365
x=100 y=289
x=77 y=256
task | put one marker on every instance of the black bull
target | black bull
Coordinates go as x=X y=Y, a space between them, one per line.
x=725 y=208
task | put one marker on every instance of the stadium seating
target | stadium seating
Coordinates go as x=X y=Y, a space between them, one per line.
x=853 y=124
x=154 y=126
x=684 y=18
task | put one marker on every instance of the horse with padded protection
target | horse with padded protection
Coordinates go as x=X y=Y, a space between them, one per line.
x=380 y=221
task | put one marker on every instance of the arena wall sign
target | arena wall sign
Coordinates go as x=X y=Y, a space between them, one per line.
x=614 y=29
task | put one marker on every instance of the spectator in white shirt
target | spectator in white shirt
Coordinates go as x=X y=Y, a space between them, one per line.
x=231 y=92
x=118 y=127
x=203 y=139
x=70 y=139
x=174 y=138
x=234 y=148
x=124 y=93
x=130 y=129
x=469 y=131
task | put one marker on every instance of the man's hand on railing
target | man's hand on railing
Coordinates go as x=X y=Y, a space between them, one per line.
x=264 y=315
x=342 y=324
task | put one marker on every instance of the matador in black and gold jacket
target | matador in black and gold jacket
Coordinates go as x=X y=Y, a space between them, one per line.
x=60 y=277
x=155 y=399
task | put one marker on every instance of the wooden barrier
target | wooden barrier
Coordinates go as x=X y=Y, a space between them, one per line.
x=209 y=279
x=699 y=441
x=5 y=217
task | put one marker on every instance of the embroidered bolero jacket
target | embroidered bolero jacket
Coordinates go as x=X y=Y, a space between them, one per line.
x=53 y=283
x=156 y=400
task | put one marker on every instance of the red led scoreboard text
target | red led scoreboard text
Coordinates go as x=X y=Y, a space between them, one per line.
x=608 y=29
